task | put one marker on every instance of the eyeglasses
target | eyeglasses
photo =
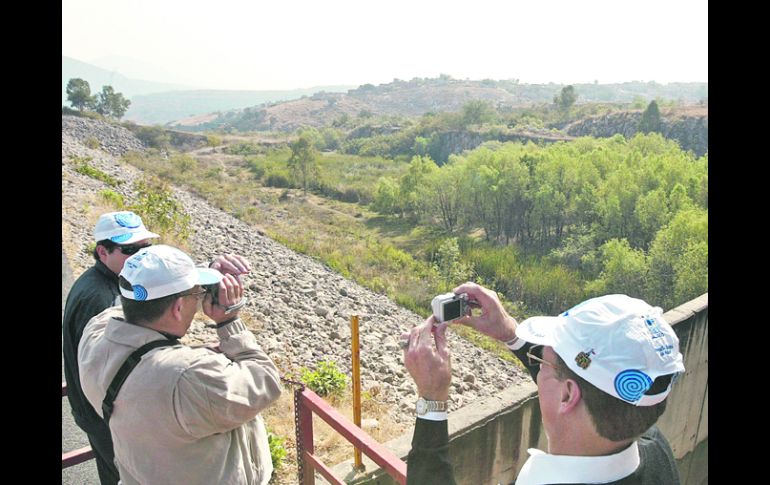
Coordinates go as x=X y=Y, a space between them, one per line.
x=199 y=295
x=130 y=249
x=535 y=356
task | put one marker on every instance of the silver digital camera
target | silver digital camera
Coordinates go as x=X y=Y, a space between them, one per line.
x=449 y=306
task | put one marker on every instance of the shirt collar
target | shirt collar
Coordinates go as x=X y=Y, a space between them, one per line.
x=120 y=331
x=103 y=269
x=541 y=467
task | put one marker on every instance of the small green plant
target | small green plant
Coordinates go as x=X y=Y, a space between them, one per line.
x=213 y=140
x=183 y=163
x=277 y=450
x=92 y=142
x=83 y=167
x=326 y=380
x=112 y=198
x=159 y=210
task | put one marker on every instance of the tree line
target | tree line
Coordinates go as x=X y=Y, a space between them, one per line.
x=628 y=216
x=106 y=103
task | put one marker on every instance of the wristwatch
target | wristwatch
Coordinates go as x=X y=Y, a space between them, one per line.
x=424 y=406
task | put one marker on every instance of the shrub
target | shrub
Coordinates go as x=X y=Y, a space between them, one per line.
x=257 y=168
x=326 y=380
x=277 y=450
x=213 y=140
x=83 y=167
x=92 y=142
x=153 y=136
x=156 y=205
x=277 y=179
x=112 y=198
x=183 y=163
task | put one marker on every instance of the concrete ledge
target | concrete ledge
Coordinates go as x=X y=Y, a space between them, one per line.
x=462 y=422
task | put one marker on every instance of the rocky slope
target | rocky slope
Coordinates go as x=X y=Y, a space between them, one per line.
x=690 y=130
x=298 y=308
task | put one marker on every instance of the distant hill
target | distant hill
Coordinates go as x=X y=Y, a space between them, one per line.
x=164 y=107
x=160 y=103
x=420 y=96
x=98 y=77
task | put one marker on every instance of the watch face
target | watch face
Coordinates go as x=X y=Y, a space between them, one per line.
x=422 y=406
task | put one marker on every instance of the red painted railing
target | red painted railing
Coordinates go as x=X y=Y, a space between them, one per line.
x=80 y=455
x=308 y=402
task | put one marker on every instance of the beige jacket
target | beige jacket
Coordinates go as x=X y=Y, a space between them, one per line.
x=183 y=415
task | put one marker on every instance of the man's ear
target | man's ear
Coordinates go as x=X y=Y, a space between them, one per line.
x=570 y=396
x=102 y=252
x=176 y=308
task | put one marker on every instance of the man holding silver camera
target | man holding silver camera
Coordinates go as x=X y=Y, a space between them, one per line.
x=179 y=414
x=603 y=370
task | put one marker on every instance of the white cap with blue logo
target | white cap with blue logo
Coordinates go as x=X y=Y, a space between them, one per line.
x=617 y=343
x=122 y=227
x=158 y=271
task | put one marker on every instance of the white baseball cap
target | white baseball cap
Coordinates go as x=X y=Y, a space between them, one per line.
x=158 y=271
x=617 y=343
x=122 y=227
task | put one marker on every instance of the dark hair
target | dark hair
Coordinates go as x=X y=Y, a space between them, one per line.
x=614 y=419
x=108 y=245
x=147 y=311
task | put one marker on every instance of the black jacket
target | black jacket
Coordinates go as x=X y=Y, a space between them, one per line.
x=94 y=291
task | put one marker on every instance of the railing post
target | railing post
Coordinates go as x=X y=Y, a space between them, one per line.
x=356 y=365
x=304 y=439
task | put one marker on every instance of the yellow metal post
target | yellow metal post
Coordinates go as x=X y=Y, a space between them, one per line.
x=358 y=465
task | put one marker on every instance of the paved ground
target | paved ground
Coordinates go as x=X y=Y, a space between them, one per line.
x=72 y=437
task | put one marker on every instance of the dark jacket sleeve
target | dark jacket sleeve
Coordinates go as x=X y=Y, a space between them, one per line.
x=428 y=460
x=521 y=354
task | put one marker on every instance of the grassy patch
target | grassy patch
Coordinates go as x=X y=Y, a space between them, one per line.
x=83 y=167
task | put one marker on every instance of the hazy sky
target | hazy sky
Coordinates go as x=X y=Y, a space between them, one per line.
x=287 y=44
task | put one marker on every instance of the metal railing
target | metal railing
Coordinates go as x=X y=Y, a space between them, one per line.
x=307 y=402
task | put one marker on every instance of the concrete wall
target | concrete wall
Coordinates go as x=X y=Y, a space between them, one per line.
x=489 y=438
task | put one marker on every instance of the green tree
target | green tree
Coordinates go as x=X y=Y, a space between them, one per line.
x=303 y=160
x=111 y=103
x=650 y=119
x=624 y=270
x=386 y=200
x=413 y=186
x=449 y=264
x=673 y=257
x=477 y=112
x=691 y=272
x=566 y=98
x=79 y=94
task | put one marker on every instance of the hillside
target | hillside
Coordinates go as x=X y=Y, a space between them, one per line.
x=165 y=107
x=420 y=96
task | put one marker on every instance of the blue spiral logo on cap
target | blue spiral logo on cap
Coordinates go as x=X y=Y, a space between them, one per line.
x=140 y=294
x=128 y=219
x=121 y=238
x=632 y=384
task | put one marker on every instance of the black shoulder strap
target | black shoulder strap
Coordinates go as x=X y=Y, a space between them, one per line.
x=125 y=370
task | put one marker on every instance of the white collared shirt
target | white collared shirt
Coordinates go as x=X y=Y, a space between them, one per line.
x=541 y=467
